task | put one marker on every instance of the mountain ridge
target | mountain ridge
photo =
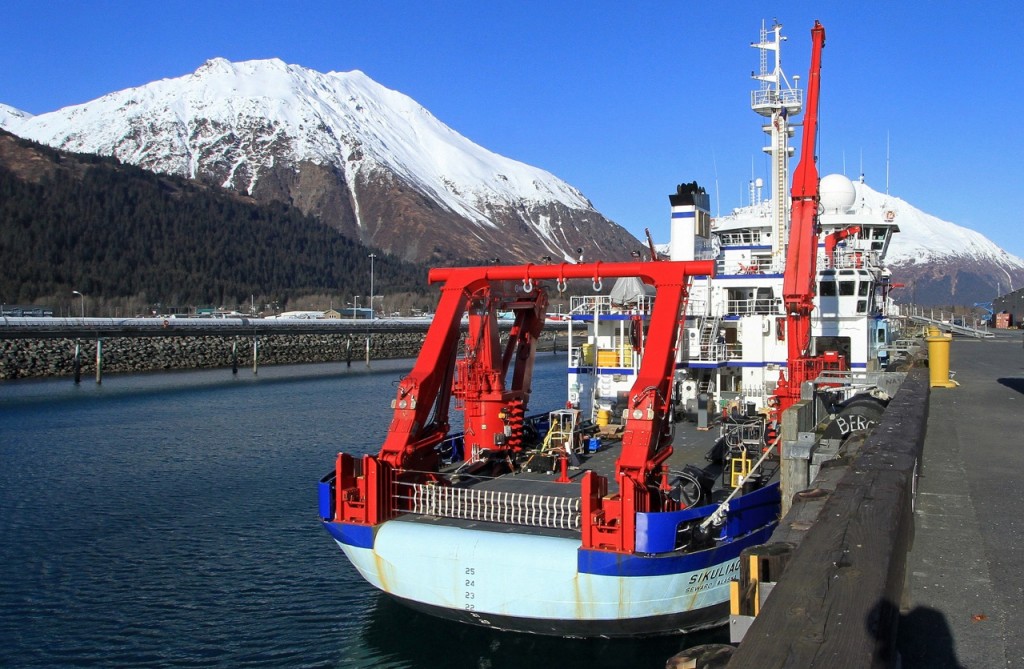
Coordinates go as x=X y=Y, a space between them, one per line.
x=131 y=239
x=341 y=147
x=377 y=166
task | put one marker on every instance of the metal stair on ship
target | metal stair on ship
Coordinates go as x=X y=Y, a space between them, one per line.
x=711 y=350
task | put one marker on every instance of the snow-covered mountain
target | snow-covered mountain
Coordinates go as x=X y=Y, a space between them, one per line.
x=942 y=263
x=367 y=160
x=376 y=165
x=11 y=116
x=926 y=238
x=939 y=263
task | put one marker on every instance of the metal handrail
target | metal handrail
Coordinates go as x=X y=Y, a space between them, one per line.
x=494 y=506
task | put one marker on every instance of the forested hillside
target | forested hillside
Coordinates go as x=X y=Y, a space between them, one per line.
x=80 y=222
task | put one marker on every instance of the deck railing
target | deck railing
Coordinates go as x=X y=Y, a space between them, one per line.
x=756 y=305
x=603 y=305
x=752 y=266
x=744 y=238
x=494 y=506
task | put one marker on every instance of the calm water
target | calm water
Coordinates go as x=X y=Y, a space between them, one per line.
x=170 y=520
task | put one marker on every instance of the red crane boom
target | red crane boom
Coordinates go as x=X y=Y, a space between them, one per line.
x=798 y=288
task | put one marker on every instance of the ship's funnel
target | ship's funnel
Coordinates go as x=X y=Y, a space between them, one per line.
x=691 y=221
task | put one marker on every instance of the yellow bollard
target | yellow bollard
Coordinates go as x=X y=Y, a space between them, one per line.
x=938 y=359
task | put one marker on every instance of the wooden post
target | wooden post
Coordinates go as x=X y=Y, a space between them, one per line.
x=78 y=361
x=759 y=565
x=255 y=348
x=796 y=450
x=234 y=356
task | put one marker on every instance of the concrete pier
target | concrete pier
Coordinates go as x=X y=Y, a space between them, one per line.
x=964 y=601
x=888 y=569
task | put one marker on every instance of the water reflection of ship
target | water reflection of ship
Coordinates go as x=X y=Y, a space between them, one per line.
x=471 y=647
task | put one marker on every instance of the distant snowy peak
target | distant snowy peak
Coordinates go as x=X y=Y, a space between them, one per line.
x=927 y=238
x=922 y=238
x=10 y=116
x=339 y=118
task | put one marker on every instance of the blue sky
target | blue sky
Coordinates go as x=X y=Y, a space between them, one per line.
x=622 y=100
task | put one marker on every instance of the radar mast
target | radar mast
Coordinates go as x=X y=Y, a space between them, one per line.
x=776 y=100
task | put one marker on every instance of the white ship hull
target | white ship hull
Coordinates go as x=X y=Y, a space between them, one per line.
x=530 y=582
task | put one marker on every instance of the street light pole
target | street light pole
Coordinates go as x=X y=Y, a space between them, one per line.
x=372 y=256
x=75 y=292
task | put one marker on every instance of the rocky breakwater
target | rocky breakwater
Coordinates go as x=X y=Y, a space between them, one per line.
x=28 y=358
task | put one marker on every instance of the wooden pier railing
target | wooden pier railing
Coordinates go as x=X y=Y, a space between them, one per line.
x=842 y=550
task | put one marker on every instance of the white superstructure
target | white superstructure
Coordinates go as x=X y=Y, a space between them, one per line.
x=735 y=332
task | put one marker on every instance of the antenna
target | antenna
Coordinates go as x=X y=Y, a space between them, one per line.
x=753 y=200
x=718 y=206
x=886 y=162
x=777 y=101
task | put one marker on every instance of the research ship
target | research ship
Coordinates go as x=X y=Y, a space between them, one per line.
x=546 y=523
x=615 y=515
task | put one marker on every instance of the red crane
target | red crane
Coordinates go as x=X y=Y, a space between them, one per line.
x=832 y=241
x=798 y=288
x=492 y=386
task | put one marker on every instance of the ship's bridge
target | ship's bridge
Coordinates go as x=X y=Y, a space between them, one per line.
x=842 y=209
x=845 y=291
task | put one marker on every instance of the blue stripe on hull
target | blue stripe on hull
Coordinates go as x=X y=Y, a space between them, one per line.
x=606 y=563
x=532 y=584
x=360 y=536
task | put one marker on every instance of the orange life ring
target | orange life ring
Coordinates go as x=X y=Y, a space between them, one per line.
x=166 y=322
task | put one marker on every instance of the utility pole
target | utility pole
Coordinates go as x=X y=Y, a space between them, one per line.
x=75 y=292
x=372 y=256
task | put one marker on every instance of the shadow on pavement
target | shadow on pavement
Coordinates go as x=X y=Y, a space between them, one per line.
x=925 y=641
x=1013 y=384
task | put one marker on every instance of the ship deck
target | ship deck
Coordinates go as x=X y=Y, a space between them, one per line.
x=690 y=447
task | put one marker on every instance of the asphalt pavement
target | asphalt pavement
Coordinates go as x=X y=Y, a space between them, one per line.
x=964 y=602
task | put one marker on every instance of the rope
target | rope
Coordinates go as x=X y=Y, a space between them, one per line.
x=717 y=517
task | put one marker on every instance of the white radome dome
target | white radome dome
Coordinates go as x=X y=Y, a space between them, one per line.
x=837 y=194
